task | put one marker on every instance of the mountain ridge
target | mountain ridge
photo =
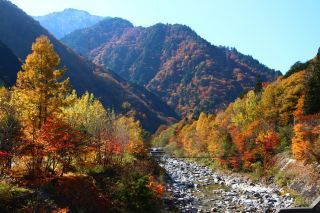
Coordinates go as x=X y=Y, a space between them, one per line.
x=63 y=22
x=172 y=61
x=112 y=90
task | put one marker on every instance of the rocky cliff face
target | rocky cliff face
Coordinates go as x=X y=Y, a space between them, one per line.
x=300 y=177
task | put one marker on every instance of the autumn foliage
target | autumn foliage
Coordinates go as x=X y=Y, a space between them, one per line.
x=252 y=129
x=53 y=139
x=53 y=130
x=157 y=188
x=172 y=61
x=306 y=143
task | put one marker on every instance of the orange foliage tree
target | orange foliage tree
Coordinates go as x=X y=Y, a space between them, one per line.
x=57 y=142
x=267 y=143
x=306 y=142
x=157 y=188
x=300 y=144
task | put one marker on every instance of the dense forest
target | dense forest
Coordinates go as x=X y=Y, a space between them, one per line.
x=56 y=143
x=274 y=118
x=172 y=61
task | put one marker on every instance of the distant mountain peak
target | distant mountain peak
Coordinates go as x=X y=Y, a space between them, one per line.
x=74 y=10
x=64 y=22
x=66 y=10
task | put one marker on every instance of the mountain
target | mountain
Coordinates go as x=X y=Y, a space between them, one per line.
x=66 y=21
x=9 y=65
x=186 y=71
x=91 y=38
x=113 y=91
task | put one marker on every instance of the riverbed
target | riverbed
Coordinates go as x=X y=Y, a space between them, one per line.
x=197 y=188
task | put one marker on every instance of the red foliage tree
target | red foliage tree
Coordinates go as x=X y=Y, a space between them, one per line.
x=58 y=141
x=157 y=188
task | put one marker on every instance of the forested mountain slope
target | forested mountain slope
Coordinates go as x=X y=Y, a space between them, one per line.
x=9 y=66
x=85 y=76
x=189 y=73
x=276 y=117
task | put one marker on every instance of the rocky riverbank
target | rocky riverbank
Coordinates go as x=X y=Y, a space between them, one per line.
x=196 y=188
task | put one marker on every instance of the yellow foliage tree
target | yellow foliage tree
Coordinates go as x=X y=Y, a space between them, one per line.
x=10 y=130
x=292 y=89
x=270 y=103
x=246 y=110
x=128 y=133
x=189 y=140
x=299 y=110
x=39 y=94
x=203 y=130
x=5 y=105
x=88 y=115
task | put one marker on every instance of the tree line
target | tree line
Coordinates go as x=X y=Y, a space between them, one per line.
x=273 y=118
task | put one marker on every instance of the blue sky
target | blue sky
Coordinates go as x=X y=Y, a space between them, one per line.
x=276 y=32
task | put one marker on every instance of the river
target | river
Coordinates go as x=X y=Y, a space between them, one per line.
x=196 y=188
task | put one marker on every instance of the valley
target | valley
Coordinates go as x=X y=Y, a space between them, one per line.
x=104 y=110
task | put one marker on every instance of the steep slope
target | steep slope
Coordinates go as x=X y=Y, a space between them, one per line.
x=9 y=66
x=186 y=71
x=67 y=21
x=93 y=37
x=84 y=75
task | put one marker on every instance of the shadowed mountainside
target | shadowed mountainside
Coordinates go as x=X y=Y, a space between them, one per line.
x=84 y=75
x=9 y=65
